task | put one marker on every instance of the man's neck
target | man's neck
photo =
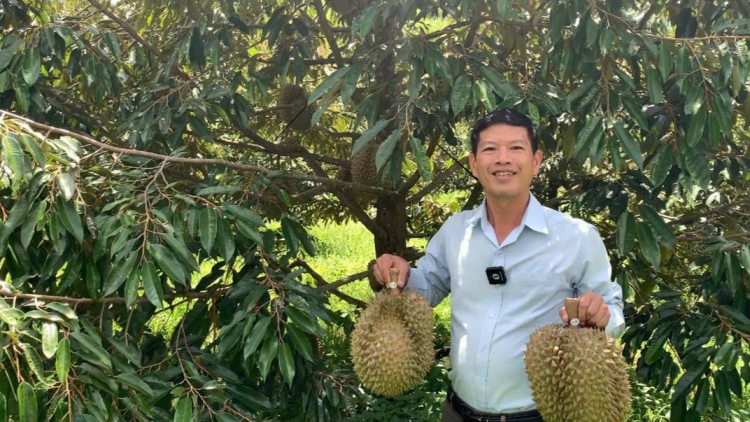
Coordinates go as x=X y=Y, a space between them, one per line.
x=506 y=215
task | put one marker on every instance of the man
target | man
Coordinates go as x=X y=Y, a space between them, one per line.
x=508 y=265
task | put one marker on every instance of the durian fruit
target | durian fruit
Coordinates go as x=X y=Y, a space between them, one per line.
x=577 y=373
x=392 y=343
x=364 y=171
x=294 y=110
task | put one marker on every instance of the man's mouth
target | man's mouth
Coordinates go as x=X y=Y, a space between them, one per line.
x=503 y=173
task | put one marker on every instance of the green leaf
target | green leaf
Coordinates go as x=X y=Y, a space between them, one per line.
x=688 y=380
x=649 y=247
x=697 y=125
x=420 y=156
x=286 y=363
x=460 y=93
x=208 y=228
x=12 y=42
x=31 y=65
x=113 y=44
x=300 y=341
x=368 y=135
x=635 y=112
x=385 y=150
x=34 y=149
x=694 y=99
x=304 y=238
x=14 y=156
x=27 y=405
x=365 y=21
x=62 y=309
x=4 y=80
x=29 y=223
x=133 y=380
x=249 y=231
x=302 y=320
x=697 y=164
x=625 y=233
x=499 y=84
x=119 y=274
x=14 y=219
x=654 y=86
x=721 y=392
x=93 y=280
x=327 y=84
x=34 y=361
x=23 y=96
x=244 y=214
x=89 y=344
x=661 y=165
x=504 y=8
x=49 y=339
x=131 y=287
x=656 y=348
x=62 y=362
x=665 y=61
x=225 y=239
x=70 y=219
x=583 y=141
x=414 y=84
x=256 y=336
x=3 y=408
x=267 y=355
x=168 y=263
x=629 y=144
x=290 y=237
x=739 y=316
x=128 y=350
x=350 y=81
x=745 y=257
x=722 y=353
x=184 y=410
x=182 y=252
x=661 y=230
x=67 y=185
x=152 y=284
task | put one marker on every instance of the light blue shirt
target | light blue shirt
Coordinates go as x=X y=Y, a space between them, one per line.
x=549 y=257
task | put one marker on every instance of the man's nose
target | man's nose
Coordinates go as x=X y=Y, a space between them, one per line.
x=502 y=156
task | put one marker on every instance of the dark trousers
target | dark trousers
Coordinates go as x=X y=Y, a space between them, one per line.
x=456 y=410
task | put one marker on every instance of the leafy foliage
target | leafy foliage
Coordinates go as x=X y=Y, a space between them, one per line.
x=149 y=164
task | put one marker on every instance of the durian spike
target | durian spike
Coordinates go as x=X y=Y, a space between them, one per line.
x=571 y=307
x=393 y=285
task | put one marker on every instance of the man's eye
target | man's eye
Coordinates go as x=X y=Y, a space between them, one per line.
x=517 y=147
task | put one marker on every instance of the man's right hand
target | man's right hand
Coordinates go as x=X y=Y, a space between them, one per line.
x=382 y=269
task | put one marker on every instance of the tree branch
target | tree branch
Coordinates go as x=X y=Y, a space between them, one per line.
x=86 y=301
x=434 y=184
x=343 y=282
x=133 y=33
x=321 y=282
x=326 y=27
x=195 y=161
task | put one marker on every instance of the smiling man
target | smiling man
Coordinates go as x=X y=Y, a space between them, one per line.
x=508 y=265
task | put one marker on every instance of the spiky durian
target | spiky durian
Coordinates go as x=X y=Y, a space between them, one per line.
x=577 y=374
x=294 y=110
x=392 y=342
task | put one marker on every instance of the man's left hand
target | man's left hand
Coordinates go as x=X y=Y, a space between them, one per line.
x=592 y=311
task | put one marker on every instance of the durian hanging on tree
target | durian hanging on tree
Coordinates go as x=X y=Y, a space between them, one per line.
x=577 y=374
x=392 y=344
x=293 y=108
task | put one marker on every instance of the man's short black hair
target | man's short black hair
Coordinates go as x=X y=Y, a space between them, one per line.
x=506 y=116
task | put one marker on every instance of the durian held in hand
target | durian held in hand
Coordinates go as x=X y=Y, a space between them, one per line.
x=392 y=342
x=577 y=373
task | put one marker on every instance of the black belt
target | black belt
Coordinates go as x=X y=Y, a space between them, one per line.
x=471 y=414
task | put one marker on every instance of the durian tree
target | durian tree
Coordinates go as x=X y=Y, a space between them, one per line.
x=165 y=158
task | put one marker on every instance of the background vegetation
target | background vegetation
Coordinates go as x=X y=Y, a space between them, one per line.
x=185 y=189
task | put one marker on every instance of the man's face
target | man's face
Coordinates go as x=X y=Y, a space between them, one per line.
x=504 y=162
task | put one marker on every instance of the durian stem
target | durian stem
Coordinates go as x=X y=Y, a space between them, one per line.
x=571 y=307
x=393 y=285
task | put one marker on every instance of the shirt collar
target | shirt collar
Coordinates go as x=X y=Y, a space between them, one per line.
x=533 y=217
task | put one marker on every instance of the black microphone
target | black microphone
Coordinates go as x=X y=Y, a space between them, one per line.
x=496 y=275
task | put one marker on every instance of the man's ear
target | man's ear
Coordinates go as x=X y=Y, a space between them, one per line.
x=472 y=162
x=538 y=156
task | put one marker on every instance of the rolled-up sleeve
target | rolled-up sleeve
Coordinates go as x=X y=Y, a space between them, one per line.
x=596 y=276
x=431 y=278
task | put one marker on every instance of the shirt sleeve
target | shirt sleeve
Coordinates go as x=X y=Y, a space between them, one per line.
x=431 y=278
x=596 y=277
